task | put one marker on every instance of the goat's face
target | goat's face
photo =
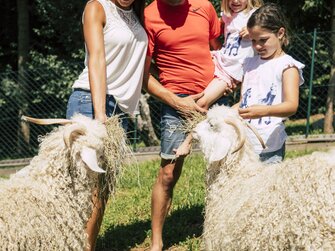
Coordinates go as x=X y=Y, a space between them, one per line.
x=217 y=134
x=86 y=136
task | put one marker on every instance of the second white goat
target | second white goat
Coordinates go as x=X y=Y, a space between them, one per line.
x=252 y=206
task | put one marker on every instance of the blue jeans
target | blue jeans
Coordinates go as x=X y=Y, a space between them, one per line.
x=273 y=157
x=171 y=133
x=80 y=101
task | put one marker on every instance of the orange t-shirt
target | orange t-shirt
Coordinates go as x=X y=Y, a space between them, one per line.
x=179 y=43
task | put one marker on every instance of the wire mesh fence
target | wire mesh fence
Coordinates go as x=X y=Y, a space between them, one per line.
x=43 y=88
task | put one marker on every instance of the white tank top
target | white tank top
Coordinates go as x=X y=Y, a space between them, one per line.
x=125 y=43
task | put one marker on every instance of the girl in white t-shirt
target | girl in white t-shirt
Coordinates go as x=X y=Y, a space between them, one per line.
x=237 y=46
x=270 y=88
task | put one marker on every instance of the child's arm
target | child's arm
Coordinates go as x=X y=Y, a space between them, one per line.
x=216 y=89
x=290 y=102
x=185 y=148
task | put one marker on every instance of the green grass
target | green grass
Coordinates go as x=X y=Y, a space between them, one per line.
x=126 y=224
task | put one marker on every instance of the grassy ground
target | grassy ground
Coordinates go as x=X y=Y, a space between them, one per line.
x=126 y=224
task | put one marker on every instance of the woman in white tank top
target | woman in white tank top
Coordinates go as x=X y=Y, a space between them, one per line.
x=116 y=44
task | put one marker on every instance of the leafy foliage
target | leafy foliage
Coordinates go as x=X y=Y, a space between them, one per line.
x=57 y=45
x=57 y=27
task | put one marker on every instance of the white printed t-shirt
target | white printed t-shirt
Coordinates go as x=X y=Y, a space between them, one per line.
x=262 y=85
x=235 y=49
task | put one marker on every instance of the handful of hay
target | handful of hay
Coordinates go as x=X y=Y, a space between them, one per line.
x=117 y=155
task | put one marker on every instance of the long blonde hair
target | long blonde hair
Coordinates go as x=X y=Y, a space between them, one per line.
x=251 y=5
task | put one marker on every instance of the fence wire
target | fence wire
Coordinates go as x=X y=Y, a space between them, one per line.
x=42 y=91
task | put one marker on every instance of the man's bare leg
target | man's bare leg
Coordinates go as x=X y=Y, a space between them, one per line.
x=161 y=199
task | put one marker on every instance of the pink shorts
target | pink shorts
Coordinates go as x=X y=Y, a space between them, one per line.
x=220 y=73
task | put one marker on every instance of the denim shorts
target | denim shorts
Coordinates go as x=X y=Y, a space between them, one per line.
x=172 y=134
x=80 y=101
x=273 y=157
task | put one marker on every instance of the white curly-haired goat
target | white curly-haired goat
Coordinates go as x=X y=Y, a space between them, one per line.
x=253 y=206
x=46 y=205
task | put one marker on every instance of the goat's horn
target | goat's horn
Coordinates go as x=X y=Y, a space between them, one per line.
x=71 y=132
x=46 y=121
x=237 y=124
x=89 y=156
x=254 y=130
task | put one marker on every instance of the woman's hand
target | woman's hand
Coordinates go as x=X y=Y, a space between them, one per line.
x=101 y=117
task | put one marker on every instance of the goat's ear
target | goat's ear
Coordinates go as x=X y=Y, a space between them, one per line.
x=71 y=132
x=89 y=156
x=220 y=151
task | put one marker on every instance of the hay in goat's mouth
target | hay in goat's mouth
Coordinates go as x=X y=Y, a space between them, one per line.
x=116 y=154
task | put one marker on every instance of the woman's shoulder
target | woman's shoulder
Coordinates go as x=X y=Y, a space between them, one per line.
x=94 y=7
x=92 y=4
x=94 y=11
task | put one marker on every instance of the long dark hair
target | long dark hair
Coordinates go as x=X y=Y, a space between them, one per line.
x=270 y=17
x=138 y=7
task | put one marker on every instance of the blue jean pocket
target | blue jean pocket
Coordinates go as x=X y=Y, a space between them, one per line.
x=79 y=102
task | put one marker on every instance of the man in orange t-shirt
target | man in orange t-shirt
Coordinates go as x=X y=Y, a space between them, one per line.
x=180 y=34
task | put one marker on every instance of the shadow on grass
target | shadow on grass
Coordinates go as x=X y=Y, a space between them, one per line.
x=179 y=226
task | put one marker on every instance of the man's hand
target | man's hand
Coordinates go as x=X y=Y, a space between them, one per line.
x=188 y=103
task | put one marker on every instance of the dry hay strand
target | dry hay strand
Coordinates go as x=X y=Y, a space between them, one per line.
x=192 y=118
x=117 y=154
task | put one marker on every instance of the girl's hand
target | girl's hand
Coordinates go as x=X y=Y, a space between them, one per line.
x=254 y=111
x=244 y=33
